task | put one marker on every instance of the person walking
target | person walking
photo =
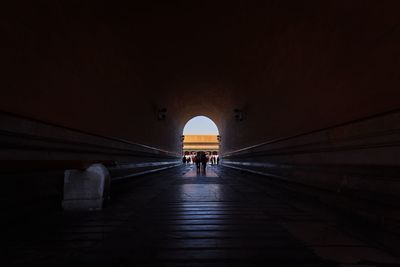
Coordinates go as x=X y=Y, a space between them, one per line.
x=204 y=160
x=197 y=160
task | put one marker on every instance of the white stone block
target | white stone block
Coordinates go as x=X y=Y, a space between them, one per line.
x=86 y=190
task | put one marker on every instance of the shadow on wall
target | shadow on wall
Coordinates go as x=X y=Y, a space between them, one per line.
x=354 y=166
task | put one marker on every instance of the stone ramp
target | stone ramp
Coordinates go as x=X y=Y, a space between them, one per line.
x=181 y=218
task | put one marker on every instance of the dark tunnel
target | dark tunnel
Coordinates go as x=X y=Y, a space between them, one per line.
x=95 y=96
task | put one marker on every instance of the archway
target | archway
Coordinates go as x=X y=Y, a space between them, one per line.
x=201 y=134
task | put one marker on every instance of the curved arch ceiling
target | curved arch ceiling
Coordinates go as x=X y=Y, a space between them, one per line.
x=289 y=66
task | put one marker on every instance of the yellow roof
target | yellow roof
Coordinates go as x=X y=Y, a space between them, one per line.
x=201 y=139
x=199 y=147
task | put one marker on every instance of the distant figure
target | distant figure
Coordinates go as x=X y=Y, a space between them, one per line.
x=217 y=160
x=197 y=160
x=184 y=160
x=204 y=160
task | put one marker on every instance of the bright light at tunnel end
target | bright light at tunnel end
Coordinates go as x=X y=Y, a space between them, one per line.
x=200 y=125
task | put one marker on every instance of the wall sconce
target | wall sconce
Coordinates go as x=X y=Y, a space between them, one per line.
x=161 y=114
x=238 y=114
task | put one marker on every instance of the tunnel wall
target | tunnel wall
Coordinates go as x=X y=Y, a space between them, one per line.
x=24 y=139
x=290 y=66
x=358 y=160
x=34 y=155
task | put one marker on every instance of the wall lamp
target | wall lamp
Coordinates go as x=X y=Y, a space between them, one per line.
x=161 y=114
x=238 y=114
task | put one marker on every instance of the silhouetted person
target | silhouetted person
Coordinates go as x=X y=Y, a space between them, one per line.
x=197 y=160
x=217 y=160
x=184 y=160
x=204 y=160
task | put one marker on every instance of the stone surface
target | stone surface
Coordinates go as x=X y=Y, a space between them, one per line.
x=181 y=218
x=86 y=190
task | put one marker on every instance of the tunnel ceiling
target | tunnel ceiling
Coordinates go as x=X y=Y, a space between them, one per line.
x=289 y=66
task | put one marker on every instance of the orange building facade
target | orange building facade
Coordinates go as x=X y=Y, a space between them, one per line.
x=195 y=143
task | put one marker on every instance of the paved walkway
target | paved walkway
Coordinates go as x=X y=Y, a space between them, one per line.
x=183 y=218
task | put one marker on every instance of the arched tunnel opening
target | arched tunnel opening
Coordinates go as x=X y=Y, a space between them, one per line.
x=200 y=145
x=302 y=162
x=200 y=135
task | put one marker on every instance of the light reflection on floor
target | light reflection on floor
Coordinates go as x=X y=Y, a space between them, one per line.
x=192 y=172
x=200 y=192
